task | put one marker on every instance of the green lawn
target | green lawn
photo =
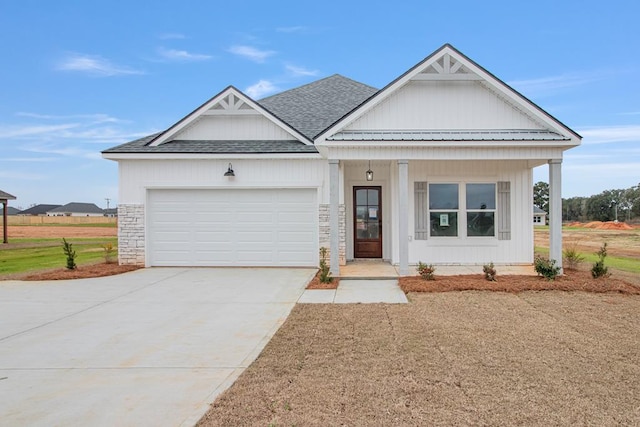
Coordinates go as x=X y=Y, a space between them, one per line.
x=619 y=263
x=26 y=255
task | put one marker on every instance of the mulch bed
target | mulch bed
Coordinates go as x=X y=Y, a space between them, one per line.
x=570 y=281
x=315 y=283
x=82 y=272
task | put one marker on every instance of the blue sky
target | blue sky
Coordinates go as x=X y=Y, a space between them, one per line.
x=77 y=77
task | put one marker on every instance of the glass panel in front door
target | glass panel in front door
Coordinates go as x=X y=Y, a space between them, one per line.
x=367 y=215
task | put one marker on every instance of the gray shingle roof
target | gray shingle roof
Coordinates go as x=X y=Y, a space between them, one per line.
x=39 y=209
x=213 y=147
x=75 y=207
x=309 y=109
x=312 y=108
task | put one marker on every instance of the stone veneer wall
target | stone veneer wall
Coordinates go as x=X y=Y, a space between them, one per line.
x=131 y=234
x=324 y=235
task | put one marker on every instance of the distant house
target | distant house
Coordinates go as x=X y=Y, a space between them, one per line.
x=38 y=210
x=10 y=211
x=111 y=212
x=539 y=216
x=76 y=209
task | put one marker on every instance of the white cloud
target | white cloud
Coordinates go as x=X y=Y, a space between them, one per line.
x=17 y=131
x=182 y=55
x=94 y=65
x=96 y=118
x=27 y=159
x=260 y=89
x=22 y=176
x=300 y=71
x=610 y=134
x=172 y=36
x=293 y=29
x=251 y=53
x=550 y=85
x=630 y=113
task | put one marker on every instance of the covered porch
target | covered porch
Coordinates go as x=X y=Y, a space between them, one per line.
x=374 y=209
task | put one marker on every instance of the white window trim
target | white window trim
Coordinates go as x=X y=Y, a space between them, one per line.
x=462 y=215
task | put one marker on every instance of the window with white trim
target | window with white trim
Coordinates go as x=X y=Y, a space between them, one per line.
x=481 y=209
x=462 y=210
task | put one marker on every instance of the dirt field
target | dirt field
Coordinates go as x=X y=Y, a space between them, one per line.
x=457 y=358
x=623 y=243
x=44 y=231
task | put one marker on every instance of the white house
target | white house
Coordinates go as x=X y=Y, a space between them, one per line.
x=76 y=209
x=539 y=216
x=434 y=167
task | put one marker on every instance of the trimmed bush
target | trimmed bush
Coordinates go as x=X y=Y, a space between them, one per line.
x=546 y=268
x=426 y=271
x=489 y=272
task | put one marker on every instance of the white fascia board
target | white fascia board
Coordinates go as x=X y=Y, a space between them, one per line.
x=200 y=111
x=195 y=156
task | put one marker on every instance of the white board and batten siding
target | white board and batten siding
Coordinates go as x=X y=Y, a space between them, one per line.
x=233 y=128
x=516 y=248
x=444 y=105
x=232 y=227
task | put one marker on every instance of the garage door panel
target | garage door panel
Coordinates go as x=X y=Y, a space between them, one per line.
x=262 y=227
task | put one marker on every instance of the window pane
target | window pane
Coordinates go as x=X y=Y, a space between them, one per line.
x=481 y=196
x=443 y=196
x=444 y=224
x=480 y=223
x=373 y=197
x=361 y=197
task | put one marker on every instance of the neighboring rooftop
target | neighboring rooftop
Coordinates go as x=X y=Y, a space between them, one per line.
x=75 y=207
x=39 y=209
x=10 y=210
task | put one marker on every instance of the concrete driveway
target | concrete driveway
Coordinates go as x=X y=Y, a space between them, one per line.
x=150 y=347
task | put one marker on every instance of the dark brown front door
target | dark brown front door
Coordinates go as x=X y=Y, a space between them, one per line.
x=367 y=222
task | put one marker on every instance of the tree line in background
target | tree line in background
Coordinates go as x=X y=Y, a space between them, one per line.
x=610 y=205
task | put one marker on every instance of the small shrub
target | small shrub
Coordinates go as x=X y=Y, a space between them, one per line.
x=546 y=268
x=572 y=258
x=325 y=273
x=70 y=253
x=426 y=271
x=109 y=253
x=599 y=269
x=489 y=272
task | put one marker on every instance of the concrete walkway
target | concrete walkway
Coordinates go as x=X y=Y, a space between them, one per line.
x=150 y=347
x=357 y=291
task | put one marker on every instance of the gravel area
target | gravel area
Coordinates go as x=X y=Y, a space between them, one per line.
x=455 y=358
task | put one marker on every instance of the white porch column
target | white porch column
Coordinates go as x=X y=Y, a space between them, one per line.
x=334 y=216
x=403 y=216
x=555 y=211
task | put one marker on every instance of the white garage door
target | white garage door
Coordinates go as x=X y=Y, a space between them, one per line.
x=253 y=227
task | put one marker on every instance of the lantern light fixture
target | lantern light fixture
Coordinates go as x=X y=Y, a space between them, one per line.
x=229 y=172
x=369 y=173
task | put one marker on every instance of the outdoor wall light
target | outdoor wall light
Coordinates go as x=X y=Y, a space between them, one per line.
x=229 y=171
x=369 y=173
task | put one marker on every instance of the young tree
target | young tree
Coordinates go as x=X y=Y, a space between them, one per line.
x=541 y=195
